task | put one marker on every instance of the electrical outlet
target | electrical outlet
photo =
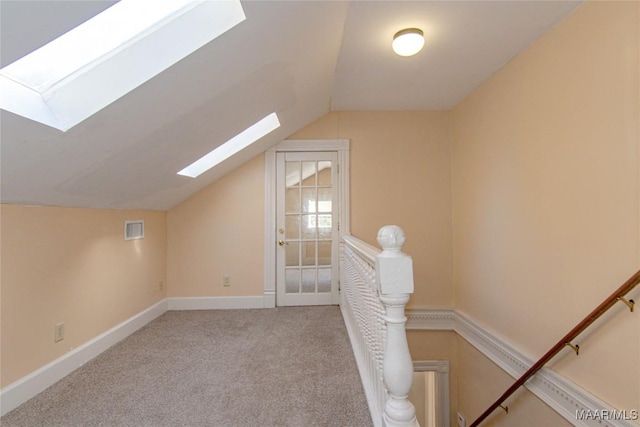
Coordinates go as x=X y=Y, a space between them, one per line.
x=59 y=332
x=161 y=283
x=226 y=281
x=461 y=421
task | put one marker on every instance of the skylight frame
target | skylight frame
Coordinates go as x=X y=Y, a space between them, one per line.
x=109 y=31
x=239 y=142
x=70 y=94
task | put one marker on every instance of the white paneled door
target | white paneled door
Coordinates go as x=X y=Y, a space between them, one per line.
x=307 y=228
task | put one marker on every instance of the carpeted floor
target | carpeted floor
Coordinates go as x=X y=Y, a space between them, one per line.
x=271 y=367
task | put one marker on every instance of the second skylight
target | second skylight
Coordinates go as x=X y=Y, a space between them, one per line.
x=232 y=146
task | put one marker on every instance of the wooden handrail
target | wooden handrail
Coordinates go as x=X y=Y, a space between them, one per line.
x=564 y=341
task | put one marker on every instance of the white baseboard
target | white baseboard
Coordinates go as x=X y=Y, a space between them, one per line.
x=15 y=394
x=221 y=303
x=565 y=397
x=18 y=392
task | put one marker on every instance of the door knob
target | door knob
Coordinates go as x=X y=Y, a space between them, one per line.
x=282 y=242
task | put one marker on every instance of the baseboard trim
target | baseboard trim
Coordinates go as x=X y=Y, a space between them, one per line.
x=220 y=303
x=562 y=395
x=18 y=392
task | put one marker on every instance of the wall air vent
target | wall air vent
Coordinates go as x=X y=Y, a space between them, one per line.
x=133 y=230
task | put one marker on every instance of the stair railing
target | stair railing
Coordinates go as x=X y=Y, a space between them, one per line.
x=375 y=287
x=566 y=341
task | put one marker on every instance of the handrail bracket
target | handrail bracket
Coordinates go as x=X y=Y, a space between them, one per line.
x=575 y=348
x=618 y=295
x=628 y=302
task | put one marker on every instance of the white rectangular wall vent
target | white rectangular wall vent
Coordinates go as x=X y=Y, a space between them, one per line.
x=133 y=230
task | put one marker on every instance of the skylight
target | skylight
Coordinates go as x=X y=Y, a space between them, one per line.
x=96 y=63
x=232 y=146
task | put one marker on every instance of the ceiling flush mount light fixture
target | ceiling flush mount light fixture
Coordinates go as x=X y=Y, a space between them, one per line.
x=408 y=42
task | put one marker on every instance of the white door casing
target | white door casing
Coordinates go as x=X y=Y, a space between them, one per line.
x=340 y=149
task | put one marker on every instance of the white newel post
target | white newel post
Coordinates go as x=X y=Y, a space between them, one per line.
x=394 y=270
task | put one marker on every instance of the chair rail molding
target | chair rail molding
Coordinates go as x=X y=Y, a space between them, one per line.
x=562 y=395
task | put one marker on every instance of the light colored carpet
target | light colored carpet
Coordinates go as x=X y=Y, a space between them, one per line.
x=271 y=367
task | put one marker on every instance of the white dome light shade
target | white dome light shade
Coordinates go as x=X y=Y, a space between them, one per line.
x=408 y=42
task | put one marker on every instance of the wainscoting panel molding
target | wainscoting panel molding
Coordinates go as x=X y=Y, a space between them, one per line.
x=565 y=397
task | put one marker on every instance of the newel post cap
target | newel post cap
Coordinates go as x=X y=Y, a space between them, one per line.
x=394 y=269
x=391 y=238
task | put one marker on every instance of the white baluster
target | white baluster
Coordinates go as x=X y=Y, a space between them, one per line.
x=394 y=271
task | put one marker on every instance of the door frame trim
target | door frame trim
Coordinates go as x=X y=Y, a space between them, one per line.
x=341 y=146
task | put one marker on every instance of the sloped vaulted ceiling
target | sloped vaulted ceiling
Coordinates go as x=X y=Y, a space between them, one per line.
x=288 y=57
x=127 y=155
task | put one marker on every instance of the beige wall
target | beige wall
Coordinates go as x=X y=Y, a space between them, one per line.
x=481 y=382
x=400 y=174
x=73 y=266
x=545 y=223
x=219 y=232
x=476 y=382
x=546 y=213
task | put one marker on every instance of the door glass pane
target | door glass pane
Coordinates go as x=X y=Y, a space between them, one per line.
x=324 y=253
x=324 y=173
x=324 y=226
x=292 y=280
x=324 y=199
x=292 y=200
x=309 y=226
x=309 y=253
x=309 y=174
x=292 y=226
x=309 y=200
x=324 y=279
x=292 y=174
x=308 y=280
x=292 y=256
